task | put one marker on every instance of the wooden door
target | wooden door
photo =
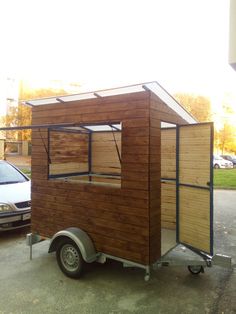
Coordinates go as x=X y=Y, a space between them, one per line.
x=194 y=186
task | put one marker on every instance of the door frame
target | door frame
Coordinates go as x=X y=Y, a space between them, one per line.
x=210 y=188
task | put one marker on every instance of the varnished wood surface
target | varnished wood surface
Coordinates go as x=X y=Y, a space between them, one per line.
x=194 y=202
x=116 y=218
x=159 y=111
x=194 y=218
x=105 y=157
x=124 y=220
x=168 y=153
x=194 y=155
x=168 y=205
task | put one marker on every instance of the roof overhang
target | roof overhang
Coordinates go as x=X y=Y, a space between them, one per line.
x=154 y=87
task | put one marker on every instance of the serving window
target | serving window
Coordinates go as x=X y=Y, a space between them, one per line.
x=87 y=153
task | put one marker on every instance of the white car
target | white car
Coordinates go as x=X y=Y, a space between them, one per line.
x=15 y=200
x=219 y=162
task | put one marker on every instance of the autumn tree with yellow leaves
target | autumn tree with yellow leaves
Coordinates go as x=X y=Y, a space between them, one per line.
x=200 y=108
x=21 y=115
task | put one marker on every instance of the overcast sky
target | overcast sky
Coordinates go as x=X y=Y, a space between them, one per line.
x=182 y=44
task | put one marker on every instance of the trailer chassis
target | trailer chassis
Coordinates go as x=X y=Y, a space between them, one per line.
x=78 y=248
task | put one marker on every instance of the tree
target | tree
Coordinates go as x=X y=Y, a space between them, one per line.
x=21 y=114
x=225 y=137
x=198 y=106
x=29 y=93
x=18 y=116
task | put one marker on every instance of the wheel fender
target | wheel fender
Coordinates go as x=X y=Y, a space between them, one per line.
x=81 y=239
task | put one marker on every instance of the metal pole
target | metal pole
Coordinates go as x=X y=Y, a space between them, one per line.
x=90 y=155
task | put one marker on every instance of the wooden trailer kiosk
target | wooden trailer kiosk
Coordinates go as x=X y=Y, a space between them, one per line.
x=121 y=165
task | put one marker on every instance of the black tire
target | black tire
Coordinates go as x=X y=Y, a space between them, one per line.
x=69 y=259
x=196 y=269
x=217 y=166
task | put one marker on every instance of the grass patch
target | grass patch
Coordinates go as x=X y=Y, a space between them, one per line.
x=225 y=178
x=26 y=171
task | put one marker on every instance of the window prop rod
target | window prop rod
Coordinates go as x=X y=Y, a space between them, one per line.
x=117 y=148
x=45 y=147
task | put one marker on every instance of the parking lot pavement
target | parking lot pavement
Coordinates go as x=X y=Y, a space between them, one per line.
x=38 y=286
x=21 y=162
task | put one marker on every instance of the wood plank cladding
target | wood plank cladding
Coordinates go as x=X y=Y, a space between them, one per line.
x=168 y=153
x=159 y=112
x=122 y=220
x=68 y=152
x=195 y=200
x=168 y=205
x=194 y=163
x=168 y=171
x=155 y=190
x=105 y=157
x=67 y=146
x=116 y=218
x=194 y=217
x=112 y=108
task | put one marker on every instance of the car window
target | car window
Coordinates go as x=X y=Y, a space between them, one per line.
x=9 y=174
x=218 y=158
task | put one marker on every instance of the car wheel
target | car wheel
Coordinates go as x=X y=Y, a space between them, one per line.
x=69 y=259
x=217 y=166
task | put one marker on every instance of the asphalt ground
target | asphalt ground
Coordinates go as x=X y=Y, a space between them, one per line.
x=38 y=286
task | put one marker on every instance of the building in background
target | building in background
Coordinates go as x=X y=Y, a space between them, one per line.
x=232 y=34
x=9 y=94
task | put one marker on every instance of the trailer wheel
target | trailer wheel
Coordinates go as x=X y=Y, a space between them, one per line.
x=195 y=269
x=69 y=259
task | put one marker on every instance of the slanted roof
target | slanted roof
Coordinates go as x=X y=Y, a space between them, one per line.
x=154 y=87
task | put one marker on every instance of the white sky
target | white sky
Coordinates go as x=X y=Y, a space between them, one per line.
x=106 y=43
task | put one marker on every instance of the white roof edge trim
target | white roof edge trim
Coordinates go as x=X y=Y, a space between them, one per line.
x=86 y=95
x=42 y=101
x=153 y=86
x=76 y=97
x=159 y=91
x=26 y=103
